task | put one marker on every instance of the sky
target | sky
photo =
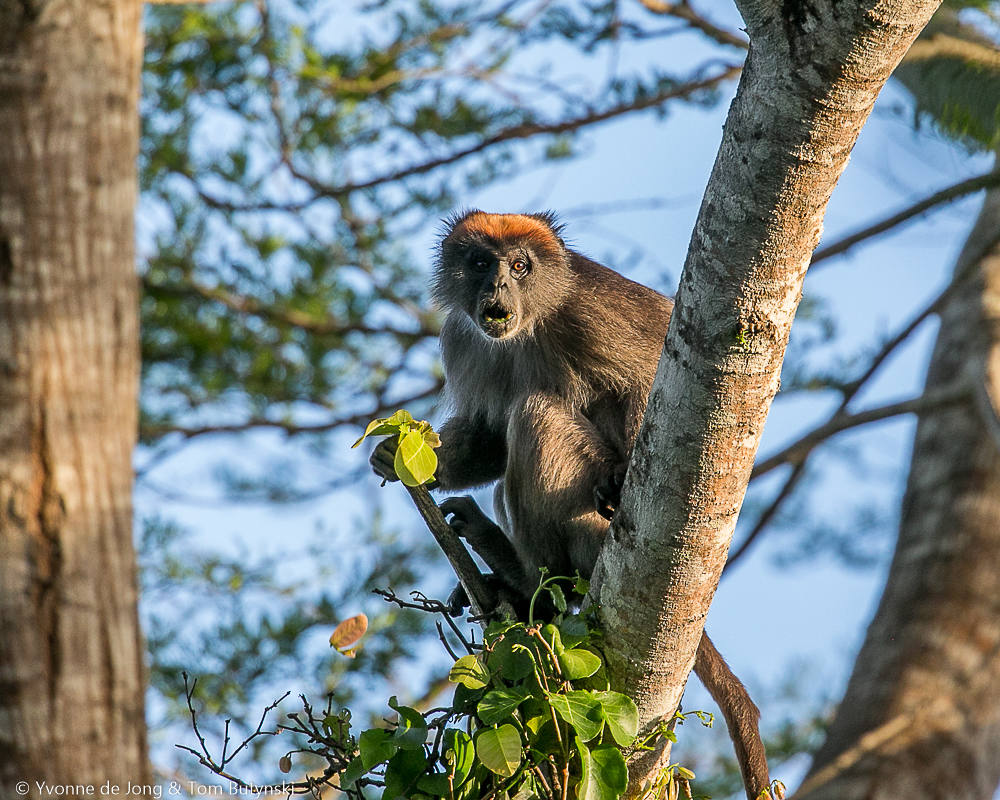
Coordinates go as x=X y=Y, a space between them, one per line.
x=766 y=616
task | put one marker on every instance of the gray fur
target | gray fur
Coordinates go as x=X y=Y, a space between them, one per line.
x=549 y=404
x=553 y=404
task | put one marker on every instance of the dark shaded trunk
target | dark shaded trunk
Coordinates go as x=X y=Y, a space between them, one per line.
x=921 y=715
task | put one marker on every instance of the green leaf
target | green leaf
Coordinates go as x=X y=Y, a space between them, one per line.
x=377 y=427
x=582 y=710
x=411 y=729
x=376 y=745
x=470 y=672
x=459 y=753
x=436 y=784
x=415 y=461
x=578 y=663
x=551 y=634
x=558 y=597
x=465 y=700
x=512 y=659
x=573 y=630
x=603 y=774
x=685 y=773
x=621 y=715
x=402 y=773
x=351 y=773
x=499 y=749
x=400 y=418
x=500 y=704
x=582 y=585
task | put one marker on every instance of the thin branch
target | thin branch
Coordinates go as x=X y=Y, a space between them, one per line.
x=478 y=592
x=685 y=12
x=955 y=192
x=245 y=304
x=292 y=428
x=799 y=450
x=526 y=131
x=426 y=604
x=768 y=514
x=850 y=391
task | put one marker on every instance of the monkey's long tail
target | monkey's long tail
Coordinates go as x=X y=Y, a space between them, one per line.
x=741 y=716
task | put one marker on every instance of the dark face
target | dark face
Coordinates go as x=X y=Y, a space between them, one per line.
x=504 y=287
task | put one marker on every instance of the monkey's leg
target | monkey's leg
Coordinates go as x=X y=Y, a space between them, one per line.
x=555 y=458
x=484 y=536
x=741 y=716
x=488 y=540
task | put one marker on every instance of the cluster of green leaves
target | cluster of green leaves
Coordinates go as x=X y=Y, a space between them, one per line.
x=532 y=716
x=415 y=462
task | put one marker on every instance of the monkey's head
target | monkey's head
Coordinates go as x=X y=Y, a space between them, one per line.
x=508 y=272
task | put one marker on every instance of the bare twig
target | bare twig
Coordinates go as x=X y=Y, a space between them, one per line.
x=947 y=195
x=799 y=450
x=424 y=603
x=684 y=11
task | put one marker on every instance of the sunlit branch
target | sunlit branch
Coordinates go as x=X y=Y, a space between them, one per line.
x=526 y=131
x=296 y=319
x=768 y=513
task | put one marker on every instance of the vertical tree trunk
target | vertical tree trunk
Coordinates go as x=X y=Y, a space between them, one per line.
x=921 y=715
x=813 y=72
x=71 y=654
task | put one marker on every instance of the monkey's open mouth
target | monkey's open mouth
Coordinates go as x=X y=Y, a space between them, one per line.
x=495 y=318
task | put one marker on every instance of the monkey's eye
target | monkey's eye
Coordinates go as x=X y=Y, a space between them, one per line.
x=519 y=267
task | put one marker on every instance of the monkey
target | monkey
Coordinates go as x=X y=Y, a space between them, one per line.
x=549 y=358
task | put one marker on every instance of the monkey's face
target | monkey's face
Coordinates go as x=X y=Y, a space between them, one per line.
x=504 y=290
x=506 y=284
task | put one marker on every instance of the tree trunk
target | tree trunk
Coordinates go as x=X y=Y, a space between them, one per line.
x=71 y=654
x=921 y=715
x=812 y=75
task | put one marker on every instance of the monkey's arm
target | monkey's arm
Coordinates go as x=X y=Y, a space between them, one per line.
x=741 y=716
x=472 y=453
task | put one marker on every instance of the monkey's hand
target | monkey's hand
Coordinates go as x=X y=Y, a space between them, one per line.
x=608 y=492
x=383 y=457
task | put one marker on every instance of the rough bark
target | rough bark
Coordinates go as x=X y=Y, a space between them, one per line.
x=921 y=715
x=71 y=655
x=812 y=75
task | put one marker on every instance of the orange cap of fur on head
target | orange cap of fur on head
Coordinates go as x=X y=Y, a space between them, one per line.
x=500 y=227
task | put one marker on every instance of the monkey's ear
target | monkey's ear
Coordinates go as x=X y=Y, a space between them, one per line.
x=551 y=221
